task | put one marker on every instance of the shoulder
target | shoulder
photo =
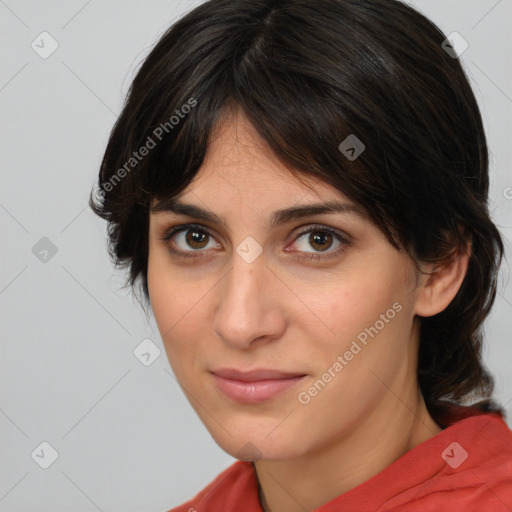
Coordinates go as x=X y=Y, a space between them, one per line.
x=235 y=487
x=473 y=471
x=467 y=467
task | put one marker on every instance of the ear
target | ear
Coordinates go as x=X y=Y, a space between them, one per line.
x=440 y=285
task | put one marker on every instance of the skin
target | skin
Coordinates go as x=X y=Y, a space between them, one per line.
x=283 y=312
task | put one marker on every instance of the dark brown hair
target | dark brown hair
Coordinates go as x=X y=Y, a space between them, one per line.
x=307 y=74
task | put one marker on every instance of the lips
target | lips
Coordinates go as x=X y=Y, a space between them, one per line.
x=254 y=386
x=255 y=375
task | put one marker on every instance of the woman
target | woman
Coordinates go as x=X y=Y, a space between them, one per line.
x=300 y=187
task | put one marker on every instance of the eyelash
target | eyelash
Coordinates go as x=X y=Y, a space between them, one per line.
x=310 y=256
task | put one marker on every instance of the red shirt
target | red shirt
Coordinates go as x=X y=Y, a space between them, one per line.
x=465 y=468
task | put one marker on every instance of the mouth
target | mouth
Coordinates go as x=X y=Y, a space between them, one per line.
x=255 y=386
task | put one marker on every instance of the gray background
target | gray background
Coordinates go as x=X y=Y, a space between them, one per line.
x=125 y=435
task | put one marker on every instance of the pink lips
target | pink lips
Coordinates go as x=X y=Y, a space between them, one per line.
x=254 y=386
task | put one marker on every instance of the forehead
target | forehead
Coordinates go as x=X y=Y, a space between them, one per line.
x=241 y=176
x=239 y=159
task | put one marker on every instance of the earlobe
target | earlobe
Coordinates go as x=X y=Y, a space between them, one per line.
x=441 y=283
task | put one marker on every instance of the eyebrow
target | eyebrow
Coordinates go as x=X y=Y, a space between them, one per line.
x=173 y=205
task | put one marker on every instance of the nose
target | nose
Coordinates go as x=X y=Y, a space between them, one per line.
x=248 y=307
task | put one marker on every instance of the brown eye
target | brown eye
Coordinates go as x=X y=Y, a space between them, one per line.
x=320 y=240
x=196 y=239
x=189 y=240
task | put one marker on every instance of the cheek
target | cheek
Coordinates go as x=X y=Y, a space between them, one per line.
x=176 y=331
x=161 y=292
x=347 y=303
x=169 y=298
x=364 y=310
x=169 y=291
x=179 y=307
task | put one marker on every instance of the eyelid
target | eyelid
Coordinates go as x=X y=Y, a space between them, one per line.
x=320 y=227
x=322 y=255
x=175 y=230
x=168 y=233
x=312 y=227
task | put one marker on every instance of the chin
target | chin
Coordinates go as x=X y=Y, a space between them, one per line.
x=257 y=446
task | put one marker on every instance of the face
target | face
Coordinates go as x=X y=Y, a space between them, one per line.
x=319 y=307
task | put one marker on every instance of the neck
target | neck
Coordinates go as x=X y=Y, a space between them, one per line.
x=310 y=481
